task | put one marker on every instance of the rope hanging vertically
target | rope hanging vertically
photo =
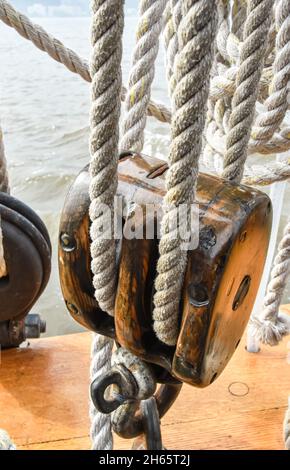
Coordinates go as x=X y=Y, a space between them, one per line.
x=107 y=31
x=4 y=181
x=271 y=325
x=3 y=269
x=247 y=85
x=4 y=187
x=276 y=105
x=101 y=432
x=171 y=38
x=142 y=74
x=192 y=72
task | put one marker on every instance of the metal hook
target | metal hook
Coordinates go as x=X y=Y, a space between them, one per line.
x=122 y=379
x=151 y=421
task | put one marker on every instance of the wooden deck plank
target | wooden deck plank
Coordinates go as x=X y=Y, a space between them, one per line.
x=44 y=400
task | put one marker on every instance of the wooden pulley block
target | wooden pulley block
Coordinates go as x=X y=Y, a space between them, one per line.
x=27 y=252
x=75 y=260
x=221 y=282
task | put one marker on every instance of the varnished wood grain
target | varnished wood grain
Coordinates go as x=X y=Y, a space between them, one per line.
x=222 y=277
x=44 y=400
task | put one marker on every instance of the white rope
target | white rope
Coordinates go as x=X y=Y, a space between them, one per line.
x=59 y=52
x=101 y=432
x=142 y=73
x=276 y=105
x=196 y=36
x=5 y=441
x=106 y=34
x=3 y=270
x=270 y=326
x=4 y=183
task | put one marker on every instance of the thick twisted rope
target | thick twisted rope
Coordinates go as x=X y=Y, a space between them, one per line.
x=239 y=13
x=101 y=433
x=248 y=78
x=171 y=39
x=4 y=182
x=277 y=103
x=280 y=143
x=3 y=269
x=271 y=325
x=142 y=73
x=107 y=30
x=254 y=175
x=4 y=187
x=62 y=54
x=192 y=71
x=286 y=428
x=223 y=30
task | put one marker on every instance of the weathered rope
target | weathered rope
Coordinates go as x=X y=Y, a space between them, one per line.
x=101 y=433
x=4 y=181
x=106 y=34
x=271 y=325
x=276 y=105
x=5 y=441
x=59 y=52
x=192 y=71
x=280 y=143
x=4 y=187
x=250 y=70
x=220 y=85
x=142 y=73
x=3 y=269
x=107 y=30
x=239 y=13
x=286 y=428
x=171 y=39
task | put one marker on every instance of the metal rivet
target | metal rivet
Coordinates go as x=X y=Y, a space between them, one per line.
x=67 y=243
x=198 y=295
x=72 y=308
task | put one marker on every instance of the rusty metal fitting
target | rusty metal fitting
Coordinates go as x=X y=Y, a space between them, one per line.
x=124 y=388
x=141 y=371
x=15 y=332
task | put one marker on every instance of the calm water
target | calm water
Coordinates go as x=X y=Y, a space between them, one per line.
x=44 y=112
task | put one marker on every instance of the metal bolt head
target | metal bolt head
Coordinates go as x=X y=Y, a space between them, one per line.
x=67 y=242
x=34 y=326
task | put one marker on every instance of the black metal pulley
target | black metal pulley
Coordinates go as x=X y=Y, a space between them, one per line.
x=27 y=251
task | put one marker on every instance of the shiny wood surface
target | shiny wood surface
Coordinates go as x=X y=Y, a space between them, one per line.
x=234 y=230
x=44 y=400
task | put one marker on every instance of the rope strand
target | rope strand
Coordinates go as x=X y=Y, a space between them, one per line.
x=101 y=432
x=62 y=54
x=107 y=30
x=4 y=180
x=247 y=84
x=192 y=71
x=142 y=73
x=276 y=105
x=271 y=325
